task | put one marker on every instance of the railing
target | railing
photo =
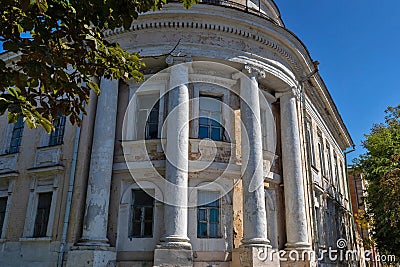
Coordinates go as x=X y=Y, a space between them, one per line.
x=235 y=5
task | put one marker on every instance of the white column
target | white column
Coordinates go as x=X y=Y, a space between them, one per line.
x=177 y=147
x=99 y=181
x=254 y=213
x=295 y=206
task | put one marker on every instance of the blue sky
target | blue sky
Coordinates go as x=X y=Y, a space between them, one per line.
x=357 y=43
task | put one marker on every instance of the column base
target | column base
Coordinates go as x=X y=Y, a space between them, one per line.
x=175 y=242
x=254 y=257
x=298 y=246
x=255 y=242
x=299 y=255
x=91 y=256
x=171 y=257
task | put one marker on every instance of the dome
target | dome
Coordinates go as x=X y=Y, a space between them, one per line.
x=262 y=8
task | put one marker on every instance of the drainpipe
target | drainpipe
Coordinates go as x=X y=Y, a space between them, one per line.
x=69 y=195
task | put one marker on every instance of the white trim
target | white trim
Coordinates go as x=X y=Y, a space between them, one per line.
x=131 y=117
x=6 y=193
x=213 y=90
x=124 y=243
x=40 y=185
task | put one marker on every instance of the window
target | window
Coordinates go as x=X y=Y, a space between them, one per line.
x=3 y=208
x=310 y=141
x=328 y=157
x=344 y=181
x=321 y=154
x=57 y=136
x=148 y=106
x=210 y=119
x=335 y=162
x=264 y=130
x=208 y=214
x=42 y=214
x=16 y=136
x=142 y=214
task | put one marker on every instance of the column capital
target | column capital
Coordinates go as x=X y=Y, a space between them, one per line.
x=289 y=93
x=252 y=70
x=177 y=59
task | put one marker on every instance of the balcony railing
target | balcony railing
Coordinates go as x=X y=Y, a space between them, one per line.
x=235 y=5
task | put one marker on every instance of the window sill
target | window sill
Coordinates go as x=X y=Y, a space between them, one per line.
x=131 y=238
x=211 y=238
x=8 y=153
x=48 y=146
x=35 y=239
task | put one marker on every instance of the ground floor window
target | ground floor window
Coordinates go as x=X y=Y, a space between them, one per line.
x=208 y=214
x=142 y=214
x=42 y=214
x=3 y=209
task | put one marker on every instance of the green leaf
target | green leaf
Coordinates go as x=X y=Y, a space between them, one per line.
x=94 y=86
x=42 y=5
x=10 y=46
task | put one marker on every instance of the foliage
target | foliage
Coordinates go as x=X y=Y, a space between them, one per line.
x=381 y=168
x=58 y=49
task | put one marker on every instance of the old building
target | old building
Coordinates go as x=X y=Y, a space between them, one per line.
x=358 y=190
x=232 y=146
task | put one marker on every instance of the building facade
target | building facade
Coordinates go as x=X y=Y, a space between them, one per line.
x=231 y=149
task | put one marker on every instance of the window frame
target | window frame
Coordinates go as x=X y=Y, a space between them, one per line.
x=17 y=133
x=209 y=124
x=142 y=219
x=57 y=136
x=39 y=233
x=40 y=185
x=336 y=172
x=321 y=153
x=310 y=141
x=130 y=122
x=208 y=207
x=212 y=90
x=329 y=163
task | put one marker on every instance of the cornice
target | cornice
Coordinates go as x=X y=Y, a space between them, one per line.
x=146 y=25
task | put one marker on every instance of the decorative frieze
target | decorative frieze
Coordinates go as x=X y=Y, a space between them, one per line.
x=8 y=162
x=48 y=156
x=210 y=26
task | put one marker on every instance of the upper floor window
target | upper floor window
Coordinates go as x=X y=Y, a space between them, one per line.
x=57 y=136
x=208 y=214
x=42 y=214
x=142 y=214
x=321 y=154
x=310 y=141
x=210 y=118
x=16 y=136
x=148 y=107
x=336 y=167
x=264 y=130
x=329 y=161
